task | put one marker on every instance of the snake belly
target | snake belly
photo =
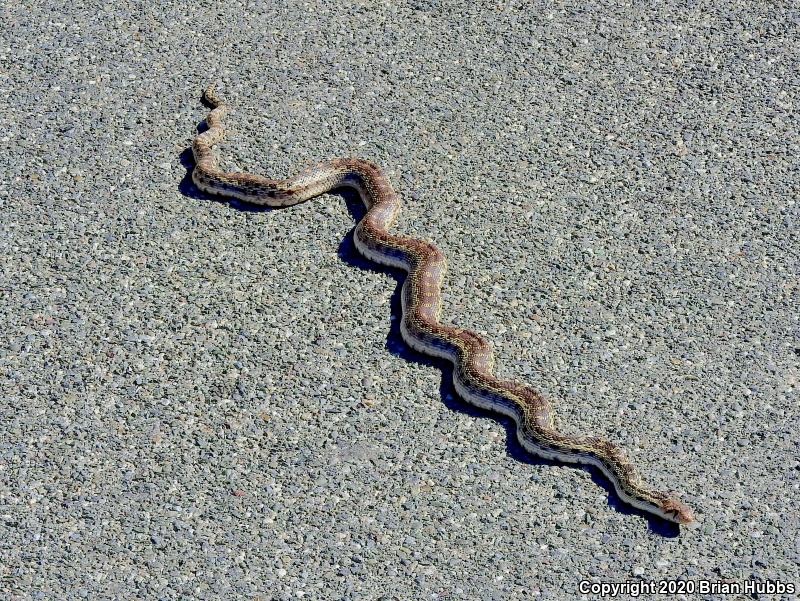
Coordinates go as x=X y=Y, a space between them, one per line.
x=421 y=298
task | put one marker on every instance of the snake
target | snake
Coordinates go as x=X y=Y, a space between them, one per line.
x=421 y=303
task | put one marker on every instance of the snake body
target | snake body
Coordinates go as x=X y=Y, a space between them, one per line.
x=420 y=327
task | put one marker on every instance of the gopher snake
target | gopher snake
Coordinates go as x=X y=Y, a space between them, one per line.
x=470 y=354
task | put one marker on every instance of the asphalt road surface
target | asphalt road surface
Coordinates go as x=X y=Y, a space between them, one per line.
x=202 y=400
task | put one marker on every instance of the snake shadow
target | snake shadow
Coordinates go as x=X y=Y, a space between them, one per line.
x=396 y=345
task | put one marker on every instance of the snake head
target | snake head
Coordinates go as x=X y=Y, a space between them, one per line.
x=676 y=511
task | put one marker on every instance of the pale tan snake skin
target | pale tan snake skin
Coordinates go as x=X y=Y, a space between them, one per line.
x=470 y=354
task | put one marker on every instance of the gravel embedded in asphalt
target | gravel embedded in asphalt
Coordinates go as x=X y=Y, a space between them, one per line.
x=203 y=400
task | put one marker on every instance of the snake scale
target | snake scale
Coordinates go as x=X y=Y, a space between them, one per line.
x=421 y=299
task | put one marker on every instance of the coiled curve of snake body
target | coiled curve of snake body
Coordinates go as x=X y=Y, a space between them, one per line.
x=420 y=327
